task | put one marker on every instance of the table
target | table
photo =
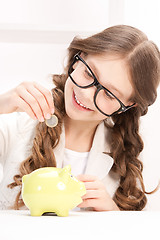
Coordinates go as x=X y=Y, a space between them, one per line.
x=80 y=225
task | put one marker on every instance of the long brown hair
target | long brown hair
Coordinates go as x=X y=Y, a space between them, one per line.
x=142 y=58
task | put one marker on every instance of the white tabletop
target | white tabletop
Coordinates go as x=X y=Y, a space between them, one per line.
x=80 y=225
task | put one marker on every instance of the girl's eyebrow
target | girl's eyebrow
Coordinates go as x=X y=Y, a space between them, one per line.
x=96 y=73
x=94 y=69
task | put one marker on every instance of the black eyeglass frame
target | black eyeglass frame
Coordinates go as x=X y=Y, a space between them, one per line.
x=96 y=83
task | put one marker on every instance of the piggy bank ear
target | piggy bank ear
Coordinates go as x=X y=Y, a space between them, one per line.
x=65 y=173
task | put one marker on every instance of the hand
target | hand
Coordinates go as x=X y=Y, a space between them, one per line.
x=28 y=97
x=96 y=195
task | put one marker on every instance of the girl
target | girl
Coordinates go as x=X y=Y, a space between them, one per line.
x=110 y=80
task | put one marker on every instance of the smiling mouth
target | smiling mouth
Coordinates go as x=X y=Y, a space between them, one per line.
x=79 y=103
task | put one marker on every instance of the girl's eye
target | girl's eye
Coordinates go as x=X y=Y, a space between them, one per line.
x=88 y=74
x=109 y=95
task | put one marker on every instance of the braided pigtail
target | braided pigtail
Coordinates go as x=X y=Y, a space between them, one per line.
x=46 y=139
x=126 y=145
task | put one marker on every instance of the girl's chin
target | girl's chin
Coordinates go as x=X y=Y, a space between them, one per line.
x=73 y=115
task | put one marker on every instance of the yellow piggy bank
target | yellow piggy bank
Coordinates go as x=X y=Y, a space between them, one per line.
x=51 y=189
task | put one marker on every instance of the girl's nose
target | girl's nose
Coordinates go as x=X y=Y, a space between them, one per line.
x=90 y=92
x=88 y=95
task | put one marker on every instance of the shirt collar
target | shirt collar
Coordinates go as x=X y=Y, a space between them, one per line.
x=99 y=163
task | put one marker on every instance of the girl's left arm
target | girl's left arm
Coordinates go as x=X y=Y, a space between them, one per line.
x=96 y=195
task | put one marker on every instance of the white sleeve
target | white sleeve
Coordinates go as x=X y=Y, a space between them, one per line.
x=11 y=125
x=5 y=131
x=6 y=122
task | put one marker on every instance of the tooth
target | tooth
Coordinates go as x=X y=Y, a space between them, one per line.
x=80 y=103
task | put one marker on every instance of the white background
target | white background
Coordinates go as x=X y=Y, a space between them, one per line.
x=34 y=35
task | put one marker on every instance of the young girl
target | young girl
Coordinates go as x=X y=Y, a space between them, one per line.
x=110 y=80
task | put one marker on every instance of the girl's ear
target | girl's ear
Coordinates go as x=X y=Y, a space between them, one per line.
x=135 y=105
x=132 y=104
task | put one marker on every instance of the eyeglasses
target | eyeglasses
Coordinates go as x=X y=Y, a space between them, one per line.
x=104 y=99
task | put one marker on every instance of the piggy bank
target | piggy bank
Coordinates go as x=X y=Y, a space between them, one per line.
x=51 y=189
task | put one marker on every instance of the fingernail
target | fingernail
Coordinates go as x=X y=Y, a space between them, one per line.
x=52 y=110
x=41 y=119
x=47 y=116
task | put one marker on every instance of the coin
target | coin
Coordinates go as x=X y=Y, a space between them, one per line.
x=52 y=122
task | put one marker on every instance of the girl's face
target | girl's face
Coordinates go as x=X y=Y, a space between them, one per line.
x=112 y=73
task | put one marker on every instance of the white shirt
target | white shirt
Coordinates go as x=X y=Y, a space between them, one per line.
x=77 y=160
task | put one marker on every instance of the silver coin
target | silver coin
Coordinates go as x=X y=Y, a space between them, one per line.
x=52 y=122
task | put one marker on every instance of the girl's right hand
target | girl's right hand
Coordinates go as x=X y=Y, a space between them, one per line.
x=29 y=97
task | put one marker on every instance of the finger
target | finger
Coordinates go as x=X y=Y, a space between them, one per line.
x=45 y=108
x=48 y=96
x=26 y=108
x=86 y=178
x=92 y=185
x=92 y=194
x=88 y=203
x=32 y=102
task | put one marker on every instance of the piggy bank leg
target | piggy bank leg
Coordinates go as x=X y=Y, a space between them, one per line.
x=62 y=213
x=36 y=212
